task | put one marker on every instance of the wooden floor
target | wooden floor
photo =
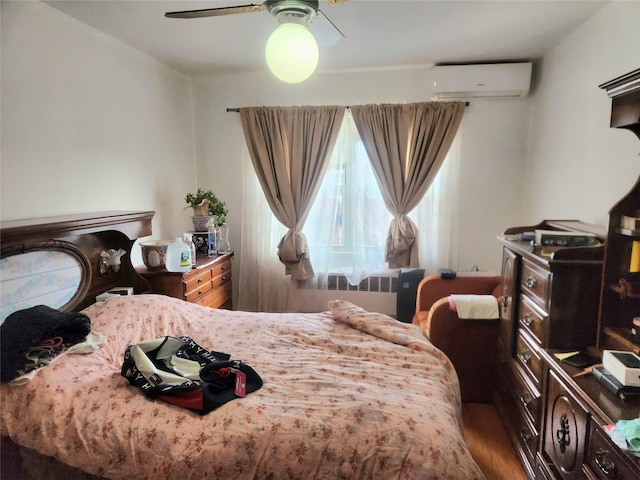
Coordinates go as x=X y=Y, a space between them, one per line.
x=489 y=444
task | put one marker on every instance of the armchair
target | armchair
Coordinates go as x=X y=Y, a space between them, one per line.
x=470 y=344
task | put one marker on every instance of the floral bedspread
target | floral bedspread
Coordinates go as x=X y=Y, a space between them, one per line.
x=347 y=394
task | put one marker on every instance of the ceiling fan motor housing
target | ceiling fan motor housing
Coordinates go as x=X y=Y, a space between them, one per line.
x=292 y=11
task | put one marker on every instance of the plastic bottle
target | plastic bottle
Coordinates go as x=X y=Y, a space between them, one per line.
x=188 y=239
x=178 y=257
x=222 y=239
x=211 y=238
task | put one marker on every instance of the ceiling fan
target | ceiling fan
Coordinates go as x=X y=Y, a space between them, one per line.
x=292 y=50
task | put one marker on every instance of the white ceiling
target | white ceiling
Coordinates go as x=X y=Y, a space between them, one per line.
x=378 y=33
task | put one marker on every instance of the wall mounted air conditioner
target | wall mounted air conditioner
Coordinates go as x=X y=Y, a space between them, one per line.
x=489 y=80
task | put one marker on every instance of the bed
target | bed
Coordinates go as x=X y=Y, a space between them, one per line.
x=346 y=393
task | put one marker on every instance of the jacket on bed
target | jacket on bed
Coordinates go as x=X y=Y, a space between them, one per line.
x=26 y=328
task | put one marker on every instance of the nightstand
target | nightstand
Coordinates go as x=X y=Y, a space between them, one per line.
x=208 y=284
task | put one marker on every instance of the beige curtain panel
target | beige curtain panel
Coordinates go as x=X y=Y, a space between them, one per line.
x=290 y=148
x=406 y=145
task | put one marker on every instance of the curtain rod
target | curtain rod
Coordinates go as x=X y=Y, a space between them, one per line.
x=236 y=109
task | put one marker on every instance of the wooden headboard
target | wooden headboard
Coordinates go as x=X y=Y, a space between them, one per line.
x=83 y=237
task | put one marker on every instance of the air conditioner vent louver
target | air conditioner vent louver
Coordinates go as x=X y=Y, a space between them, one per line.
x=498 y=80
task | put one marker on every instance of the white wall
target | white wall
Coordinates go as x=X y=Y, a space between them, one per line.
x=578 y=167
x=90 y=124
x=493 y=153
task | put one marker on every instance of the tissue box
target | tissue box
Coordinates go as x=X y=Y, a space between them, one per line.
x=624 y=366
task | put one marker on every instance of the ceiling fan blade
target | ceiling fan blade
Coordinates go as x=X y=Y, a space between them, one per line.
x=324 y=31
x=215 y=12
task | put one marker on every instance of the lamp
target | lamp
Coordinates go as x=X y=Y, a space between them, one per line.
x=110 y=260
x=292 y=51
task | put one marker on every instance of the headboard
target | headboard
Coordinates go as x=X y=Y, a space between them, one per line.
x=64 y=259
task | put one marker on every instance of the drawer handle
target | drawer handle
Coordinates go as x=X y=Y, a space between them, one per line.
x=563 y=434
x=525 y=436
x=531 y=281
x=199 y=280
x=604 y=463
x=525 y=357
x=525 y=398
x=504 y=300
x=527 y=320
x=223 y=268
x=224 y=279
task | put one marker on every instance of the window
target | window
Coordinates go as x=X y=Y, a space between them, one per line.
x=347 y=226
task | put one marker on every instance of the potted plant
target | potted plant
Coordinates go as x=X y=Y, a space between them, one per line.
x=205 y=204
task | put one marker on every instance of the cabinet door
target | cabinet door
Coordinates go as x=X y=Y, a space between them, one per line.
x=510 y=268
x=565 y=431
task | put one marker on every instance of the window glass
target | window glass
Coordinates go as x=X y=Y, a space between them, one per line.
x=347 y=225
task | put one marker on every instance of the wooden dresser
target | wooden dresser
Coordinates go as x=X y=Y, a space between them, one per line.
x=580 y=298
x=548 y=301
x=208 y=284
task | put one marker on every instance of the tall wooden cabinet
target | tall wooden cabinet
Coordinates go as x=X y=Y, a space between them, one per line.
x=582 y=298
x=620 y=287
x=620 y=301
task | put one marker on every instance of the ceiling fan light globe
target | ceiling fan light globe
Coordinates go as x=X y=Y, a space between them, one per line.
x=292 y=53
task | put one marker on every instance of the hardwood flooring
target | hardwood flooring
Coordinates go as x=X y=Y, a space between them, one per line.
x=489 y=443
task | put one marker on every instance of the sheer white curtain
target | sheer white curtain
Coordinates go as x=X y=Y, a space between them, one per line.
x=347 y=226
x=437 y=214
x=262 y=285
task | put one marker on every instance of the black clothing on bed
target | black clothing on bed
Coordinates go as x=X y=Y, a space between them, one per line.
x=26 y=328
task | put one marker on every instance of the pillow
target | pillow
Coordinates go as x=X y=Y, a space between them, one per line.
x=379 y=325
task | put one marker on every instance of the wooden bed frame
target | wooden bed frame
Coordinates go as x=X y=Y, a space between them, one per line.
x=83 y=236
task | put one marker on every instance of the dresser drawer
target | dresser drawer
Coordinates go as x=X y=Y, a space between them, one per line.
x=604 y=459
x=197 y=281
x=198 y=292
x=535 y=282
x=524 y=435
x=528 y=398
x=217 y=297
x=221 y=277
x=543 y=471
x=527 y=439
x=533 y=319
x=220 y=271
x=528 y=358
